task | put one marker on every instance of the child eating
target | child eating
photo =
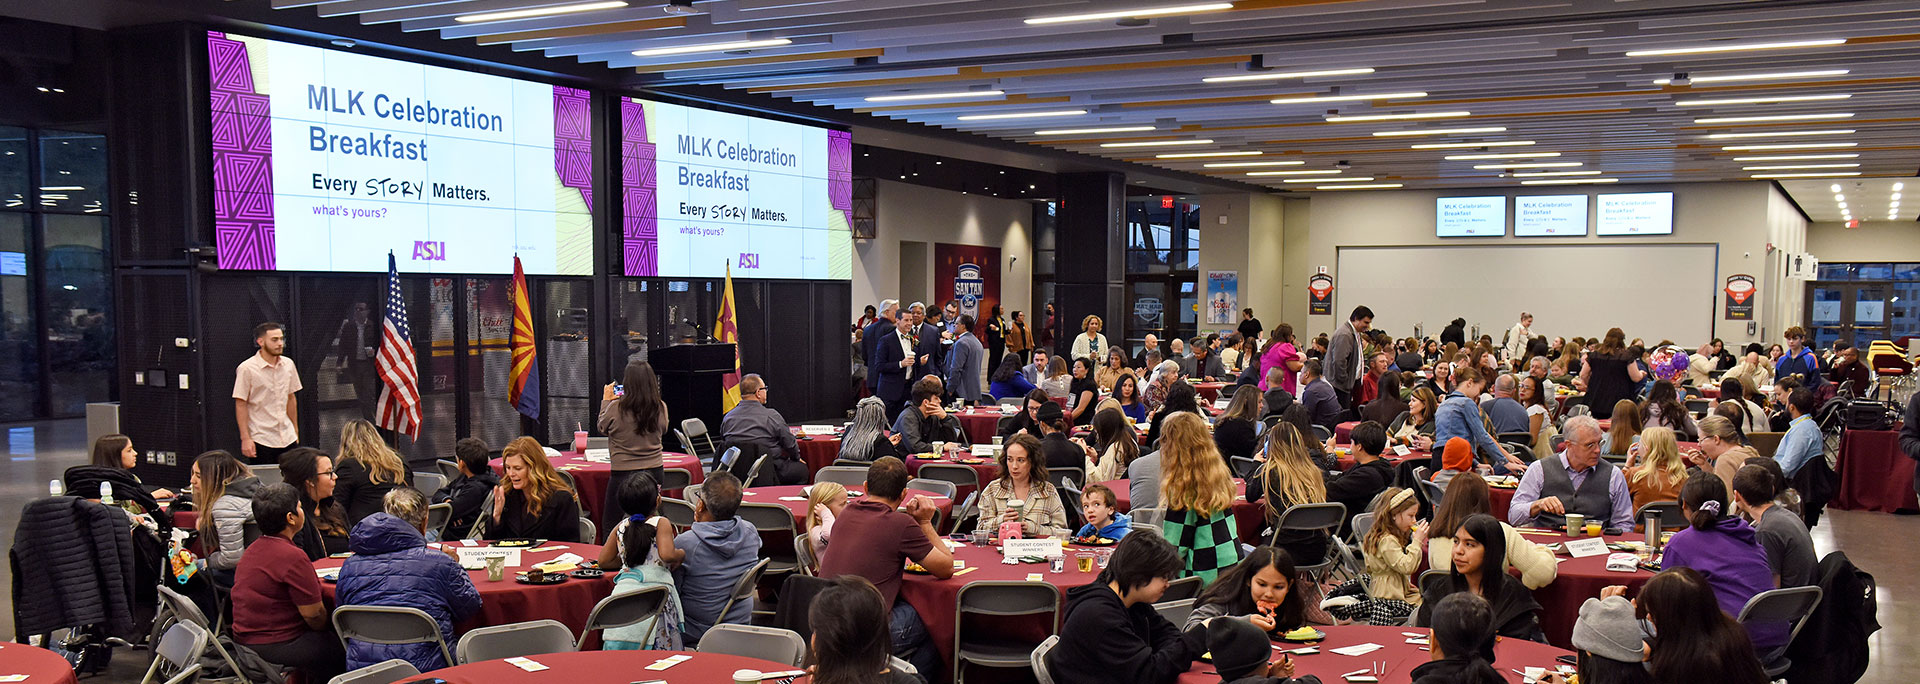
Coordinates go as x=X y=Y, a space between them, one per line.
x=1097 y=504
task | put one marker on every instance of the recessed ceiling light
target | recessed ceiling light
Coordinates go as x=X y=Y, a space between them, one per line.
x=1441 y=131
x=1396 y=117
x=1542 y=174
x=715 y=47
x=1517 y=155
x=1757 y=77
x=1291 y=74
x=1899 y=186
x=1829 y=174
x=538 y=12
x=1838 y=197
x=1083 y=131
x=1374 y=186
x=1790 y=146
x=1798 y=157
x=954 y=95
x=1132 y=13
x=1775 y=117
x=1202 y=155
x=1158 y=143
x=1760 y=100
x=1235 y=165
x=1347 y=98
x=1312 y=172
x=1471 y=145
x=1023 y=115
x=1786 y=167
x=1528 y=165
x=1736 y=47
x=1775 y=134
x=1836 y=187
x=1570 y=181
x=1352 y=179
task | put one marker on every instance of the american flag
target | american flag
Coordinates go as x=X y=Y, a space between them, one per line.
x=399 y=407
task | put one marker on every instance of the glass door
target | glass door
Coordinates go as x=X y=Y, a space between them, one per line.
x=1855 y=312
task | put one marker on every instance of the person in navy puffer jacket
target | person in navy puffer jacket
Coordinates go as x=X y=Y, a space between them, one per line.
x=392 y=566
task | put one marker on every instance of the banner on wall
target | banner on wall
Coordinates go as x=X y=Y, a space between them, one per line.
x=969 y=275
x=1223 y=296
x=1320 y=295
x=1741 y=293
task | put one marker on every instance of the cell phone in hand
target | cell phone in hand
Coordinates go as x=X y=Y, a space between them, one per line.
x=619 y=390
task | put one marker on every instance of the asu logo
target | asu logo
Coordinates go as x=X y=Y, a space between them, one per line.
x=429 y=250
x=748 y=260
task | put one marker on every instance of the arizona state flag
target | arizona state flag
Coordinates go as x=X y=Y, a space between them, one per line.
x=726 y=330
x=524 y=380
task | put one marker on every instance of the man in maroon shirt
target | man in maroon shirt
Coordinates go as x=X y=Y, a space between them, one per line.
x=873 y=540
x=277 y=610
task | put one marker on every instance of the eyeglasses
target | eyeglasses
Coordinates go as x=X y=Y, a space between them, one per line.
x=326 y=473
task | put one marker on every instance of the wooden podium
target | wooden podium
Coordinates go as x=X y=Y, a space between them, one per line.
x=691 y=378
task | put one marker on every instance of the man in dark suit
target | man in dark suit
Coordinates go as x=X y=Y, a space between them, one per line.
x=895 y=368
x=889 y=310
x=928 y=344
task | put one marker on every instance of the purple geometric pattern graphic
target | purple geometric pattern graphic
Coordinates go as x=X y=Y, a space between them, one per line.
x=639 y=225
x=572 y=141
x=840 y=169
x=242 y=159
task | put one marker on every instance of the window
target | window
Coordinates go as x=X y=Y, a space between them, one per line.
x=56 y=294
x=1163 y=255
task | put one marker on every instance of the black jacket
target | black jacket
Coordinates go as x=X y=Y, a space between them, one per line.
x=890 y=381
x=466 y=494
x=357 y=493
x=1357 y=487
x=557 y=520
x=1832 y=647
x=1061 y=452
x=1102 y=641
x=1236 y=437
x=73 y=565
x=1456 y=334
x=1515 y=616
x=1454 y=671
x=84 y=481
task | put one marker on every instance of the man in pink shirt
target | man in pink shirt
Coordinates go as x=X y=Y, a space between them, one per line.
x=263 y=398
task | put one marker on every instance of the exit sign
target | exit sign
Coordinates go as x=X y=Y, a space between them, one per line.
x=1166 y=201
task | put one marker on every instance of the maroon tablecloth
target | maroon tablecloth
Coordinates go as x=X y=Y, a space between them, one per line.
x=1579 y=579
x=1874 y=474
x=1249 y=518
x=1400 y=656
x=794 y=497
x=937 y=600
x=1343 y=433
x=40 y=665
x=818 y=452
x=508 y=601
x=591 y=476
x=982 y=423
x=605 y=667
x=1209 y=391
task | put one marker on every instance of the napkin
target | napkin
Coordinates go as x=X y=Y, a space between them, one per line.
x=1623 y=562
x=1358 y=649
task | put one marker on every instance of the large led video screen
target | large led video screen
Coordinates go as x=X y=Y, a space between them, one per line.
x=326 y=160
x=705 y=192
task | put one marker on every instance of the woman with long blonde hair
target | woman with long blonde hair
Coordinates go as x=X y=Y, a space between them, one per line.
x=533 y=502
x=366 y=471
x=1197 y=491
x=1287 y=478
x=1654 y=468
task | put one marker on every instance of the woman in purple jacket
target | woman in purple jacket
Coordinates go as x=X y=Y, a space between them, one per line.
x=1723 y=549
x=392 y=566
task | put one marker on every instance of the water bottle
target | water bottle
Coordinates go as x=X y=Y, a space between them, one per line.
x=54 y=488
x=1653 y=532
x=106 y=494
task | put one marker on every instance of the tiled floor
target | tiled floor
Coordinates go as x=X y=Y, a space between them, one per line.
x=1879 y=543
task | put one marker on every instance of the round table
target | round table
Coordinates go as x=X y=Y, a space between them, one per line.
x=507 y=601
x=1579 y=579
x=818 y=451
x=794 y=497
x=936 y=599
x=1343 y=432
x=40 y=665
x=606 y=667
x=1249 y=518
x=1209 y=391
x=590 y=477
x=981 y=423
x=1400 y=657
x=986 y=469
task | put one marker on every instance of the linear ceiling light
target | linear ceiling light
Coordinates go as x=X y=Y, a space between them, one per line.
x=1661 y=52
x=1789 y=167
x=1518 y=155
x=1023 y=115
x=1203 y=155
x=954 y=95
x=1775 y=117
x=1544 y=174
x=1397 y=117
x=1440 y=131
x=538 y=12
x=1757 y=77
x=1795 y=146
x=1081 y=131
x=1570 y=181
x=1775 y=134
x=1158 y=143
x=1290 y=74
x=1351 y=179
x=1798 y=157
x=1313 y=172
x=1761 y=100
x=1471 y=145
x=1133 y=13
x=1374 y=186
x=1348 y=98
x=1829 y=174
x=1236 y=165
x=1528 y=165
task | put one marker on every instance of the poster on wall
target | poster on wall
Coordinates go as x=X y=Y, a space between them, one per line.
x=968 y=275
x=1223 y=296
x=1741 y=293
x=1320 y=294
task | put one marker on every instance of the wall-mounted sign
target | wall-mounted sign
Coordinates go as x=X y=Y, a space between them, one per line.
x=1741 y=293
x=1223 y=296
x=1320 y=295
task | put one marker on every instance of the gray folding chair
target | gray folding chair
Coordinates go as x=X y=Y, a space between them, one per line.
x=753 y=473
x=1514 y=438
x=1361 y=523
x=384 y=672
x=1791 y=606
x=620 y=610
x=1175 y=612
x=767 y=643
x=679 y=512
x=743 y=588
x=1151 y=518
x=697 y=441
x=676 y=478
x=967 y=509
x=1434 y=491
x=177 y=655
x=999 y=599
x=479 y=529
x=941 y=487
x=269 y=473
x=536 y=637
x=1067 y=477
x=963 y=477
x=1321 y=433
x=183 y=609
x=448 y=469
x=1671 y=516
x=1011 y=401
x=1183 y=588
x=1523 y=451
x=1313 y=517
x=1038 y=660
x=847 y=476
x=428 y=483
x=808 y=561
x=388 y=625
x=850 y=463
x=589 y=534
x=1243 y=466
x=437 y=517
x=772 y=520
